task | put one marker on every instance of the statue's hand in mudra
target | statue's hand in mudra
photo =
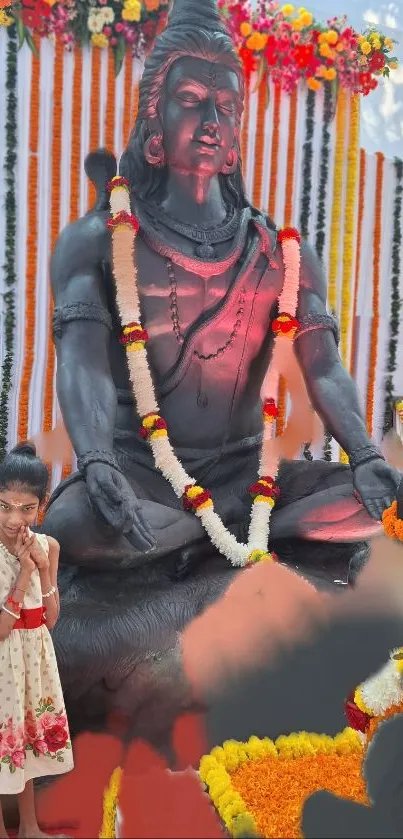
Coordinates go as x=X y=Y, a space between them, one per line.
x=113 y=499
x=376 y=484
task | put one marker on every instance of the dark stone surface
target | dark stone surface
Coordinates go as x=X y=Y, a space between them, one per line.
x=135 y=568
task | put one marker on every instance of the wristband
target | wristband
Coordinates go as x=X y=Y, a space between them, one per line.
x=363 y=454
x=50 y=592
x=100 y=456
x=9 y=612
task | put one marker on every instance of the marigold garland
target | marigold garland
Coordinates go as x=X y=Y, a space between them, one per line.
x=395 y=299
x=110 y=105
x=373 y=353
x=264 y=784
x=349 y=225
x=360 y=219
x=153 y=427
x=259 y=144
x=94 y=119
x=10 y=163
x=349 y=230
x=31 y=248
x=334 y=250
x=393 y=526
x=75 y=158
x=58 y=68
x=275 y=146
x=128 y=121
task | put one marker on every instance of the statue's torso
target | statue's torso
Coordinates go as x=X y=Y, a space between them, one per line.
x=209 y=343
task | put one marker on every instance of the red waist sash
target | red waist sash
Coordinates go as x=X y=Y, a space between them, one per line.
x=31 y=618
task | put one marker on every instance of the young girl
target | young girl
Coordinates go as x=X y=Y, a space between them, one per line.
x=34 y=734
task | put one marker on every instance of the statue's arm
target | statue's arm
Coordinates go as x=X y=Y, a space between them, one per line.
x=332 y=390
x=82 y=324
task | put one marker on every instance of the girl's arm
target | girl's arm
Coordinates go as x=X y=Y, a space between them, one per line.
x=48 y=577
x=10 y=611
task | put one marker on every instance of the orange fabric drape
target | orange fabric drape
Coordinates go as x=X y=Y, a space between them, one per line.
x=32 y=239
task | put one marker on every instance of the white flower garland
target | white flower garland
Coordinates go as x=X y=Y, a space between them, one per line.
x=384 y=690
x=124 y=228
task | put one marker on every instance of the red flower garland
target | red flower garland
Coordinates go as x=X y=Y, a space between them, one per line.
x=123 y=218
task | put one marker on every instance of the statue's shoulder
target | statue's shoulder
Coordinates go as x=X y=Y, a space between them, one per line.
x=84 y=245
x=88 y=235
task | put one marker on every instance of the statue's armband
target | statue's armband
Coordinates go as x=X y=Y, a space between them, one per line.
x=315 y=321
x=80 y=311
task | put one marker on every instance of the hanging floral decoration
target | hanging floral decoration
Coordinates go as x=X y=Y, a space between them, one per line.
x=287 y=42
x=292 y=46
x=395 y=298
x=10 y=279
x=128 y=25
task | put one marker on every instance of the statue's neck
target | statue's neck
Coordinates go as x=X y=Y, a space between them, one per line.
x=193 y=201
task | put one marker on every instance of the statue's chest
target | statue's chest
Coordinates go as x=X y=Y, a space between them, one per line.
x=208 y=317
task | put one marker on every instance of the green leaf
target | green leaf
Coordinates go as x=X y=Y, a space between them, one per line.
x=30 y=41
x=386 y=72
x=6 y=759
x=119 y=54
x=50 y=708
x=21 y=32
x=12 y=768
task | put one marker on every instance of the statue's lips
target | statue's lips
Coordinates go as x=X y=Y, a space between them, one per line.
x=207 y=145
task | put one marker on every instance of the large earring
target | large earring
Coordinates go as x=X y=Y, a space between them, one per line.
x=231 y=162
x=154 y=151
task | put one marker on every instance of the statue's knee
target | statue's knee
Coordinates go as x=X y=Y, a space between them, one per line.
x=68 y=516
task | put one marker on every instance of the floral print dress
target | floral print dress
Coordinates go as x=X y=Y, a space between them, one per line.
x=34 y=733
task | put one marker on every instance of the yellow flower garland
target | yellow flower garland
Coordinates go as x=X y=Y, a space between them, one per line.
x=349 y=228
x=337 y=199
x=217 y=767
x=111 y=798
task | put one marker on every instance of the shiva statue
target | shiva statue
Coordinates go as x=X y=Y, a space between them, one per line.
x=136 y=566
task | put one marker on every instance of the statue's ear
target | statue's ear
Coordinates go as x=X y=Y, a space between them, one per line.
x=100 y=166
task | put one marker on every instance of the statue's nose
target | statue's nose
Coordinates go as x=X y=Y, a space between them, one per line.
x=210 y=119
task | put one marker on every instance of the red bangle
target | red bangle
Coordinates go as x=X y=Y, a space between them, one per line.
x=14 y=604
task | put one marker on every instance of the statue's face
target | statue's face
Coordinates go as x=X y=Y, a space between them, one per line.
x=199 y=115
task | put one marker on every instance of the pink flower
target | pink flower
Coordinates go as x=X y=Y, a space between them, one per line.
x=18 y=758
x=40 y=746
x=11 y=741
x=31 y=731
